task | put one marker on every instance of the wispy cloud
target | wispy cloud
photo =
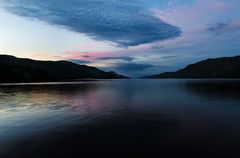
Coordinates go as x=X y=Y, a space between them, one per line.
x=86 y=56
x=78 y=61
x=125 y=23
x=171 y=56
x=136 y=69
x=125 y=58
x=128 y=67
x=220 y=28
x=217 y=28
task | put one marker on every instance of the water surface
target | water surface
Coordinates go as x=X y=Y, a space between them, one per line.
x=121 y=118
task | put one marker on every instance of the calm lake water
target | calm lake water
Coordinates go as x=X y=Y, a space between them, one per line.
x=121 y=118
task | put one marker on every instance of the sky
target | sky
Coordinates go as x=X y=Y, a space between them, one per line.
x=132 y=37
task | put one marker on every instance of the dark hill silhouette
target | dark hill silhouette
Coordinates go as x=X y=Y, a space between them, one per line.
x=226 y=67
x=14 y=69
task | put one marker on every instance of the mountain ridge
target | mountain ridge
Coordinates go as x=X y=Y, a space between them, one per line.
x=15 y=69
x=224 y=67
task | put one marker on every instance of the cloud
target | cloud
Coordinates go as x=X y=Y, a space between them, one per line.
x=217 y=28
x=220 y=28
x=171 y=56
x=85 y=56
x=125 y=23
x=129 y=67
x=78 y=61
x=136 y=70
x=157 y=47
x=125 y=58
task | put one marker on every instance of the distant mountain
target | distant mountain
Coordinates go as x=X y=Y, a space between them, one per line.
x=14 y=69
x=226 y=67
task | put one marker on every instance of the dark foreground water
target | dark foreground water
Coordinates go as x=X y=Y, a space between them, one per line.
x=122 y=118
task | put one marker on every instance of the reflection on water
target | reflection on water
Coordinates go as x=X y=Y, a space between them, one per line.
x=145 y=118
x=216 y=90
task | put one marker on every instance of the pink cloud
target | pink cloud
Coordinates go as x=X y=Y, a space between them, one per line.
x=109 y=53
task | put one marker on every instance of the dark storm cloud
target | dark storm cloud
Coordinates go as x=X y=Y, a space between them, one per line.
x=125 y=58
x=124 y=22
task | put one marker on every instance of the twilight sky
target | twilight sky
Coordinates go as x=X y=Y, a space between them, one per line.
x=132 y=37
